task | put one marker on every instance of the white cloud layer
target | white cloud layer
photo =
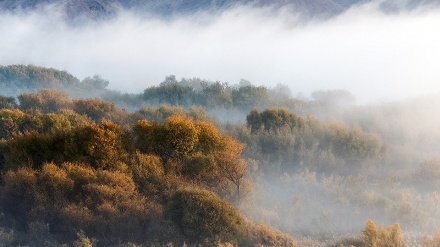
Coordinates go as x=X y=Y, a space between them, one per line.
x=375 y=56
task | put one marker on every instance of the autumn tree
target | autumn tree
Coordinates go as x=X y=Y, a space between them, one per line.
x=159 y=114
x=45 y=100
x=370 y=234
x=94 y=108
x=74 y=197
x=11 y=123
x=230 y=164
x=383 y=237
x=174 y=139
x=100 y=145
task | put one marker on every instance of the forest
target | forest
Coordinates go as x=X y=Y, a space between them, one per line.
x=192 y=162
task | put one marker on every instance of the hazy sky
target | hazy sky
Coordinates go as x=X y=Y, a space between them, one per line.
x=373 y=55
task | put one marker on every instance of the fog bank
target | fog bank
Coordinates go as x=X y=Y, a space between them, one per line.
x=374 y=55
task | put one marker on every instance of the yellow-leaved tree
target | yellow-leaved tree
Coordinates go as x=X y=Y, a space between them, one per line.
x=383 y=237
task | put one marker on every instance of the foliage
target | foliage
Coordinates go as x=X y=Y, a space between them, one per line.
x=109 y=184
x=76 y=197
x=377 y=160
x=33 y=77
x=262 y=235
x=201 y=152
x=45 y=100
x=433 y=241
x=172 y=140
x=96 y=109
x=7 y=102
x=383 y=237
x=202 y=215
x=427 y=174
x=100 y=145
x=169 y=92
x=15 y=122
x=188 y=92
x=277 y=136
x=95 y=82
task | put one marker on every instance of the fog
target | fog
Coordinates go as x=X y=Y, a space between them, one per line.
x=375 y=55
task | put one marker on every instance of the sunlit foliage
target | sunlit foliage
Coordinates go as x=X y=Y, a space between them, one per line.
x=201 y=215
x=383 y=237
x=45 y=100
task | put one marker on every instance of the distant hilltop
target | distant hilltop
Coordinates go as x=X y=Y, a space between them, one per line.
x=97 y=9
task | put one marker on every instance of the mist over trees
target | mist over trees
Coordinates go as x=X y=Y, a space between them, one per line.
x=198 y=162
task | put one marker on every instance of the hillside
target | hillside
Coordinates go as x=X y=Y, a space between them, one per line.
x=98 y=9
x=105 y=8
x=234 y=154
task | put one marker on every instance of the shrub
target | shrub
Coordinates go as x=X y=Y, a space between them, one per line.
x=262 y=235
x=201 y=215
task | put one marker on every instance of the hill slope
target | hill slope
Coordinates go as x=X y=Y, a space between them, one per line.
x=103 y=8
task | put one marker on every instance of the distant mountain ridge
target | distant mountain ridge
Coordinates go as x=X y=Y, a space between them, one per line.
x=97 y=9
x=104 y=8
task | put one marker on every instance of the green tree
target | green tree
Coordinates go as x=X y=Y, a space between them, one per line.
x=95 y=82
x=170 y=92
x=7 y=102
x=249 y=96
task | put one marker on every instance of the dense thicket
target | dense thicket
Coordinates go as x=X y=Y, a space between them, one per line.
x=283 y=141
x=71 y=175
x=18 y=79
x=21 y=77
x=300 y=165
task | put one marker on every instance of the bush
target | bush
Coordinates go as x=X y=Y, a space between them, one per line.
x=201 y=215
x=262 y=235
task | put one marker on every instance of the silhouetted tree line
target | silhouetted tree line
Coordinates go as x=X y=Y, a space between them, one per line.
x=207 y=94
x=18 y=79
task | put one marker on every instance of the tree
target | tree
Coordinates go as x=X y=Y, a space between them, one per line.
x=96 y=109
x=229 y=163
x=370 y=234
x=215 y=95
x=383 y=237
x=11 y=122
x=7 y=102
x=273 y=120
x=174 y=139
x=249 y=96
x=45 y=100
x=95 y=82
x=170 y=92
x=180 y=137
x=254 y=121
x=208 y=138
x=103 y=144
x=30 y=77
